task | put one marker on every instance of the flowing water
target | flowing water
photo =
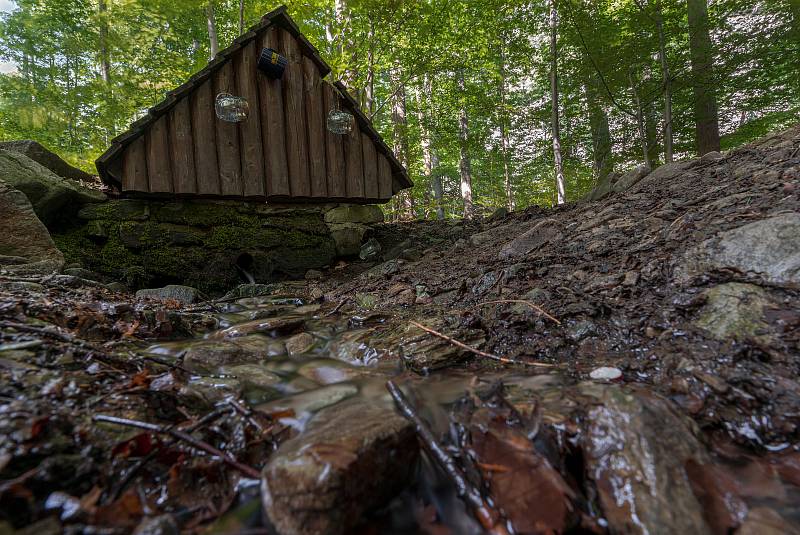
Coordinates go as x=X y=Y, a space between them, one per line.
x=608 y=451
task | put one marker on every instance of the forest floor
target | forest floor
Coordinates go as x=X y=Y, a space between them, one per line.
x=119 y=414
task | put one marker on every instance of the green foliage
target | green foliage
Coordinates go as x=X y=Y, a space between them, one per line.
x=60 y=97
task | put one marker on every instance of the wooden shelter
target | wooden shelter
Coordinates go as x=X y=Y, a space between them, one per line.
x=283 y=151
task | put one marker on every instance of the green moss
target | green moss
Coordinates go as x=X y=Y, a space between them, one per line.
x=204 y=214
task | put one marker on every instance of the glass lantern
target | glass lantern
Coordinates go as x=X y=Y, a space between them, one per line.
x=340 y=122
x=232 y=109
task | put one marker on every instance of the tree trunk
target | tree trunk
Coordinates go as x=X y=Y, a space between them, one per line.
x=400 y=134
x=241 y=17
x=369 y=89
x=640 y=120
x=433 y=168
x=667 y=82
x=212 y=30
x=465 y=163
x=504 y=133
x=556 y=126
x=601 y=132
x=425 y=143
x=105 y=56
x=705 y=98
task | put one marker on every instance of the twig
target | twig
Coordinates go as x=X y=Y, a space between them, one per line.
x=249 y=471
x=504 y=360
x=534 y=306
x=339 y=306
x=489 y=519
x=131 y=473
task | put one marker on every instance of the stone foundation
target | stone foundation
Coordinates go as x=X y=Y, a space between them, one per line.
x=211 y=245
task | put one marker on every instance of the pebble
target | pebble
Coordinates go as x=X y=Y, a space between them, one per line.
x=606 y=373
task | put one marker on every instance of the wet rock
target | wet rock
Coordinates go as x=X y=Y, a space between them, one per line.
x=270 y=326
x=250 y=290
x=209 y=355
x=735 y=311
x=542 y=233
x=46 y=158
x=769 y=248
x=606 y=373
x=23 y=236
x=53 y=197
x=370 y=250
x=331 y=371
x=353 y=458
x=313 y=274
x=158 y=525
x=207 y=391
x=183 y=294
x=580 y=330
x=766 y=521
x=117 y=287
x=636 y=449
x=310 y=401
x=300 y=343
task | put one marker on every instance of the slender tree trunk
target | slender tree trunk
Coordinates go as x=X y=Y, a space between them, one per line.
x=105 y=57
x=465 y=164
x=212 y=29
x=435 y=172
x=400 y=131
x=504 y=133
x=369 y=90
x=241 y=17
x=640 y=120
x=601 y=132
x=705 y=98
x=556 y=125
x=651 y=132
x=667 y=82
x=425 y=143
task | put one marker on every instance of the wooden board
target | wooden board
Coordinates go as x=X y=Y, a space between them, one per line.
x=354 y=167
x=181 y=148
x=315 y=123
x=273 y=131
x=370 y=167
x=205 y=140
x=253 y=179
x=294 y=118
x=334 y=148
x=135 y=167
x=228 y=152
x=158 y=158
x=384 y=177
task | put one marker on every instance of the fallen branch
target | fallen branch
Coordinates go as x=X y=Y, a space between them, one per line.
x=504 y=360
x=534 y=306
x=339 y=306
x=490 y=519
x=249 y=471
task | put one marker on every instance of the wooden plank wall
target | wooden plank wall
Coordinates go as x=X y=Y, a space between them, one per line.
x=284 y=150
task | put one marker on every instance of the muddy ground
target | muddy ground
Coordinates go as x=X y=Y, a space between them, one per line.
x=686 y=283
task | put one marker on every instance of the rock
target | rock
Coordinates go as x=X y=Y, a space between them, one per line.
x=310 y=401
x=636 y=449
x=24 y=241
x=606 y=373
x=661 y=175
x=207 y=356
x=348 y=238
x=270 y=326
x=602 y=282
x=355 y=214
x=537 y=236
x=117 y=287
x=366 y=301
x=158 y=525
x=53 y=197
x=580 y=330
x=83 y=274
x=769 y=248
x=352 y=458
x=46 y=158
x=185 y=295
x=766 y=521
x=250 y=290
x=330 y=371
x=735 y=311
x=300 y=343
x=615 y=183
x=481 y=238
x=370 y=250
x=313 y=275
x=500 y=213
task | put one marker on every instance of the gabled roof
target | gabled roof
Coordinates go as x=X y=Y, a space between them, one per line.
x=280 y=18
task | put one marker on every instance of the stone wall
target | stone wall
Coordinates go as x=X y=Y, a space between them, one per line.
x=211 y=245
